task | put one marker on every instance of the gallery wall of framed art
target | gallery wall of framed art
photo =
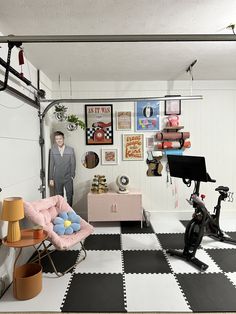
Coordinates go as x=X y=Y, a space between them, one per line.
x=131 y=131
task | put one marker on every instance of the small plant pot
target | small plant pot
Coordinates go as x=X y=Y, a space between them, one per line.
x=72 y=126
x=60 y=115
x=27 y=281
x=37 y=232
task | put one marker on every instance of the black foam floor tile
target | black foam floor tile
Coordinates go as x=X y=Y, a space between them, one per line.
x=135 y=227
x=95 y=293
x=231 y=234
x=171 y=240
x=103 y=242
x=62 y=260
x=142 y=262
x=208 y=292
x=184 y=222
x=224 y=258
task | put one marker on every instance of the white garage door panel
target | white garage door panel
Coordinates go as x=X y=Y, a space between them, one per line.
x=17 y=120
x=20 y=160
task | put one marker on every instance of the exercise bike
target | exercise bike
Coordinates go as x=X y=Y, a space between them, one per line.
x=202 y=223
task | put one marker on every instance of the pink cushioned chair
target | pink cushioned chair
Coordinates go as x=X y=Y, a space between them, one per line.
x=43 y=212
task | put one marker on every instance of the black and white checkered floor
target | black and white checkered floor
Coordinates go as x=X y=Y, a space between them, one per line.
x=127 y=270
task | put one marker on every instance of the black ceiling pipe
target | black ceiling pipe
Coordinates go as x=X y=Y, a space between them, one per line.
x=14 y=72
x=6 y=65
x=20 y=96
x=10 y=46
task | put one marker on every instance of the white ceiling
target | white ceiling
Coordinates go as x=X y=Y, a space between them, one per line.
x=124 y=61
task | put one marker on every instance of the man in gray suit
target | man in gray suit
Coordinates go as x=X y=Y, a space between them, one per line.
x=62 y=167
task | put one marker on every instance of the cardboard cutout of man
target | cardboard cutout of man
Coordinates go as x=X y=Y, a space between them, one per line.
x=62 y=167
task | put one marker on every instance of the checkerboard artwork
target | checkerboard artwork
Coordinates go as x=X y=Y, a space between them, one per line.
x=127 y=269
x=91 y=131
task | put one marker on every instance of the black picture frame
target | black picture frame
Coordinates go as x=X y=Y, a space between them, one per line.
x=99 y=124
x=172 y=106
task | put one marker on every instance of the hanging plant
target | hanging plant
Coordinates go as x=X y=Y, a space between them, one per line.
x=60 y=108
x=74 y=122
x=60 y=112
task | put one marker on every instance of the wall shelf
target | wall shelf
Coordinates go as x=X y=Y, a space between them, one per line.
x=173 y=128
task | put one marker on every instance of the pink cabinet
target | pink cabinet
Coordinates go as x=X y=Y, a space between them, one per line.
x=113 y=206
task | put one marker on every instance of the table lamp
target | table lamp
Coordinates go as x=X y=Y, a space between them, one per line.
x=13 y=211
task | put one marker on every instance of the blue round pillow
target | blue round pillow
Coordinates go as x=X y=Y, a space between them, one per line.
x=66 y=223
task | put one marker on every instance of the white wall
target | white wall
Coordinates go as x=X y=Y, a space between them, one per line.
x=19 y=149
x=210 y=121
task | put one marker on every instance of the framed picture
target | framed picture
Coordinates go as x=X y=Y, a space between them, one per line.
x=99 y=124
x=109 y=156
x=147 y=115
x=172 y=107
x=150 y=142
x=123 y=120
x=133 y=147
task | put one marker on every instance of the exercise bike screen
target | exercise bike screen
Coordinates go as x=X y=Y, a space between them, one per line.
x=187 y=167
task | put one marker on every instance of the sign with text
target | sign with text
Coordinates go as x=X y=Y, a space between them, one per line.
x=133 y=147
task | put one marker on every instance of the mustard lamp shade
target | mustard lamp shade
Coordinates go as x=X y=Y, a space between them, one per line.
x=13 y=211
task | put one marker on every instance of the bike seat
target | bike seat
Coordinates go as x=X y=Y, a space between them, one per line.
x=222 y=188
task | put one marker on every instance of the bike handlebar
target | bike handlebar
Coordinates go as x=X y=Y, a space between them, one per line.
x=209 y=179
x=197 y=200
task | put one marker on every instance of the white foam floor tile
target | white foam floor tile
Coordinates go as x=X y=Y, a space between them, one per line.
x=154 y=293
x=168 y=226
x=48 y=300
x=232 y=277
x=228 y=224
x=181 y=266
x=106 y=227
x=101 y=262
x=209 y=243
x=75 y=247
x=134 y=241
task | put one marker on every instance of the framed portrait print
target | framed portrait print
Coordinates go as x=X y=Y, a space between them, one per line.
x=99 y=124
x=133 y=147
x=123 y=120
x=109 y=156
x=172 y=107
x=147 y=115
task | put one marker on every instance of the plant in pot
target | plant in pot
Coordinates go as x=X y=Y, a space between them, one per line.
x=60 y=112
x=74 y=122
